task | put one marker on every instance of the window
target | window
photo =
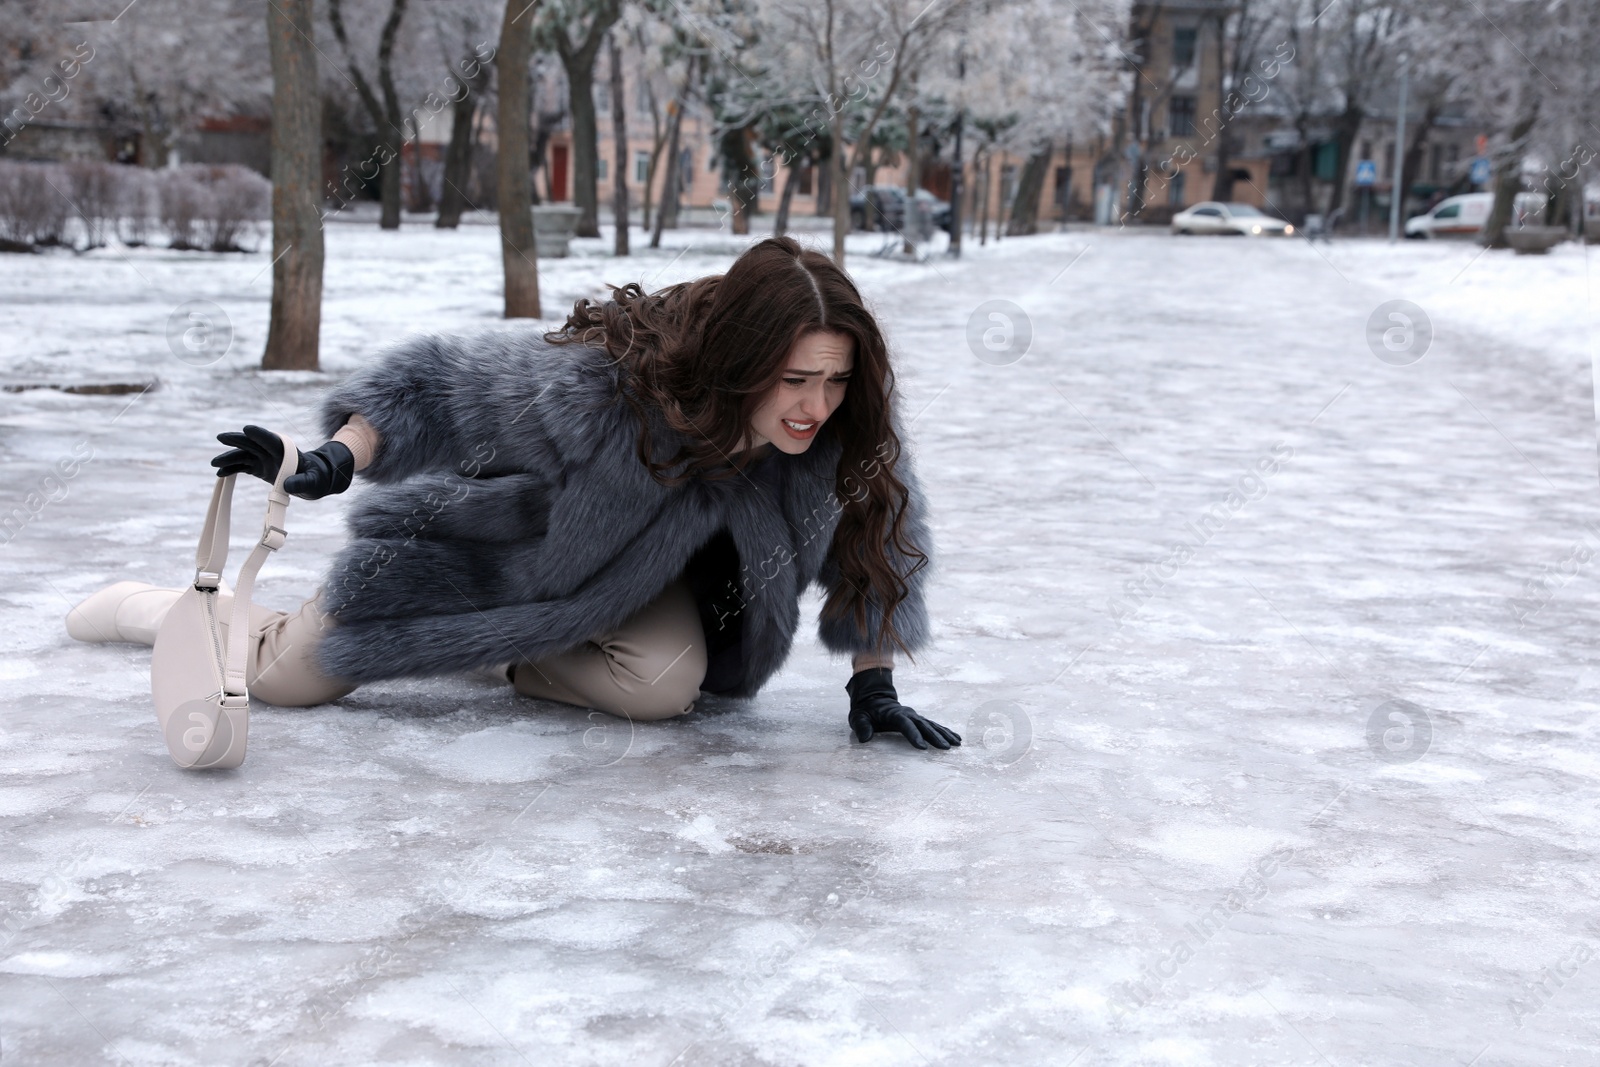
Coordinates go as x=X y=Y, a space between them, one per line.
x=1366 y=149
x=1388 y=158
x=1180 y=116
x=602 y=98
x=1175 y=190
x=641 y=167
x=1208 y=212
x=686 y=167
x=1448 y=211
x=600 y=169
x=1183 y=38
x=641 y=96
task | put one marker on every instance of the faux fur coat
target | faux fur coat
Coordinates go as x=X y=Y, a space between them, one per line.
x=508 y=517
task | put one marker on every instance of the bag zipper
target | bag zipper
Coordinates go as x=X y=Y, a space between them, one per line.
x=208 y=601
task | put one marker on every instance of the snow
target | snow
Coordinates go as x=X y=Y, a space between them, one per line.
x=1168 y=838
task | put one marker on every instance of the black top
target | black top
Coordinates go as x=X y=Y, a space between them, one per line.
x=713 y=574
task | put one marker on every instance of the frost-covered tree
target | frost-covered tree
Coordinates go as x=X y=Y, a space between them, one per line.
x=1029 y=76
x=846 y=62
x=1529 y=71
x=156 y=67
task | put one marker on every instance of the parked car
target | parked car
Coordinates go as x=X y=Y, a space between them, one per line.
x=889 y=208
x=1464 y=215
x=1241 y=220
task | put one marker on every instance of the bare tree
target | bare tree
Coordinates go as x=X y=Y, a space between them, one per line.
x=472 y=80
x=154 y=69
x=574 y=29
x=385 y=115
x=296 y=318
x=619 y=134
x=518 y=251
x=667 y=210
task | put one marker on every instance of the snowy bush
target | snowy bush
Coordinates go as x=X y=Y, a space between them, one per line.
x=211 y=207
x=96 y=195
x=33 y=209
x=240 y=199
x=136 y=204
x=183 y=199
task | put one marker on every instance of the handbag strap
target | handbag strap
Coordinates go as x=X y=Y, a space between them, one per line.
x=212 y=557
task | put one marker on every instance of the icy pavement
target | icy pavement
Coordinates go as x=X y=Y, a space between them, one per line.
x=1275 y=661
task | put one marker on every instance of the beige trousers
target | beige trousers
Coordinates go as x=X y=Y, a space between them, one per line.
x=650 y=667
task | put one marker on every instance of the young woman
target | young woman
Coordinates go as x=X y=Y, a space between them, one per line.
x=620 y=515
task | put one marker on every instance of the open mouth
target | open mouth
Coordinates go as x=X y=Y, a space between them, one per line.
x=800 y=431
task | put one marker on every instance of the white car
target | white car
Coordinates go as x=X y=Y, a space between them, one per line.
x=1464 y=215
x=1213 y=216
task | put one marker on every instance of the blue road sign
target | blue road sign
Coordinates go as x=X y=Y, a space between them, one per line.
x=1480 y=171
x=1366 y=172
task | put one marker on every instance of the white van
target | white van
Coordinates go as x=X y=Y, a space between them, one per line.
x=1464 y=215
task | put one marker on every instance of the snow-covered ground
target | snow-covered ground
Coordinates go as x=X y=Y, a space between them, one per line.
x=1275 y=661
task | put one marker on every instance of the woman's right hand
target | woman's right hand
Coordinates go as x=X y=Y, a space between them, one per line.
x=259 y=452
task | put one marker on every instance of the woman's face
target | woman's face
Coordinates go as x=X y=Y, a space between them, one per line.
x=812 y=386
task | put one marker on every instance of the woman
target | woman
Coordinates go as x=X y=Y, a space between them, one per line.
x=620 y=514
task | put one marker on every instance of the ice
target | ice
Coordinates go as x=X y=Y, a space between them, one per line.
x=1185 y=826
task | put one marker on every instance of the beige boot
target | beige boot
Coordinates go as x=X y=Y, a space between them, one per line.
x=125 y=611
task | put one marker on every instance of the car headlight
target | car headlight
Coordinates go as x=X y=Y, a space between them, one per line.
x=1255 y=229
x=1288 y=229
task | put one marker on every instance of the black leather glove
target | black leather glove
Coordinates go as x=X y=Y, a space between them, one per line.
x=874 y=708
x=259 y=451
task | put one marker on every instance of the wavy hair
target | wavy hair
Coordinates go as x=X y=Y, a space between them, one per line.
x=706 y=353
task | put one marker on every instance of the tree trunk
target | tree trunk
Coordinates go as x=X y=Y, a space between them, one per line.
x=619 y=134
x=743 y=177
x=1030 y=186
x=957 y=190
x=1222 y=184
x=421 y=195
x=585 y=151
x=385 y=115
x=913 y=170
x=824 y=200
x=578 y=60
x=296 y=322
x=983 y=204
x=781 y=224
x=658 y=142
x=1508 y=181
x=390 y=175
x=1419 y=143
x=667 y=210
x=457 y=161
x=1345 y=133
x=518 y=252
x=1307 y=161
x=839 y=188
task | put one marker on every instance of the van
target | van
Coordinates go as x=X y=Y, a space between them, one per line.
x=1464 y=215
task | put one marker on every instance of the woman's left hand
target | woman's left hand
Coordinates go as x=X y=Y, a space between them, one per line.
x=875 y=708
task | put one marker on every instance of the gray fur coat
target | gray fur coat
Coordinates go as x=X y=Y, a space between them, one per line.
x=508 y=517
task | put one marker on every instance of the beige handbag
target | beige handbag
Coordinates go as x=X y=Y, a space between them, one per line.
x=202 y=705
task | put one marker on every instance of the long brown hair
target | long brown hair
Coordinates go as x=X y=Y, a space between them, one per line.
x=706 y=353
